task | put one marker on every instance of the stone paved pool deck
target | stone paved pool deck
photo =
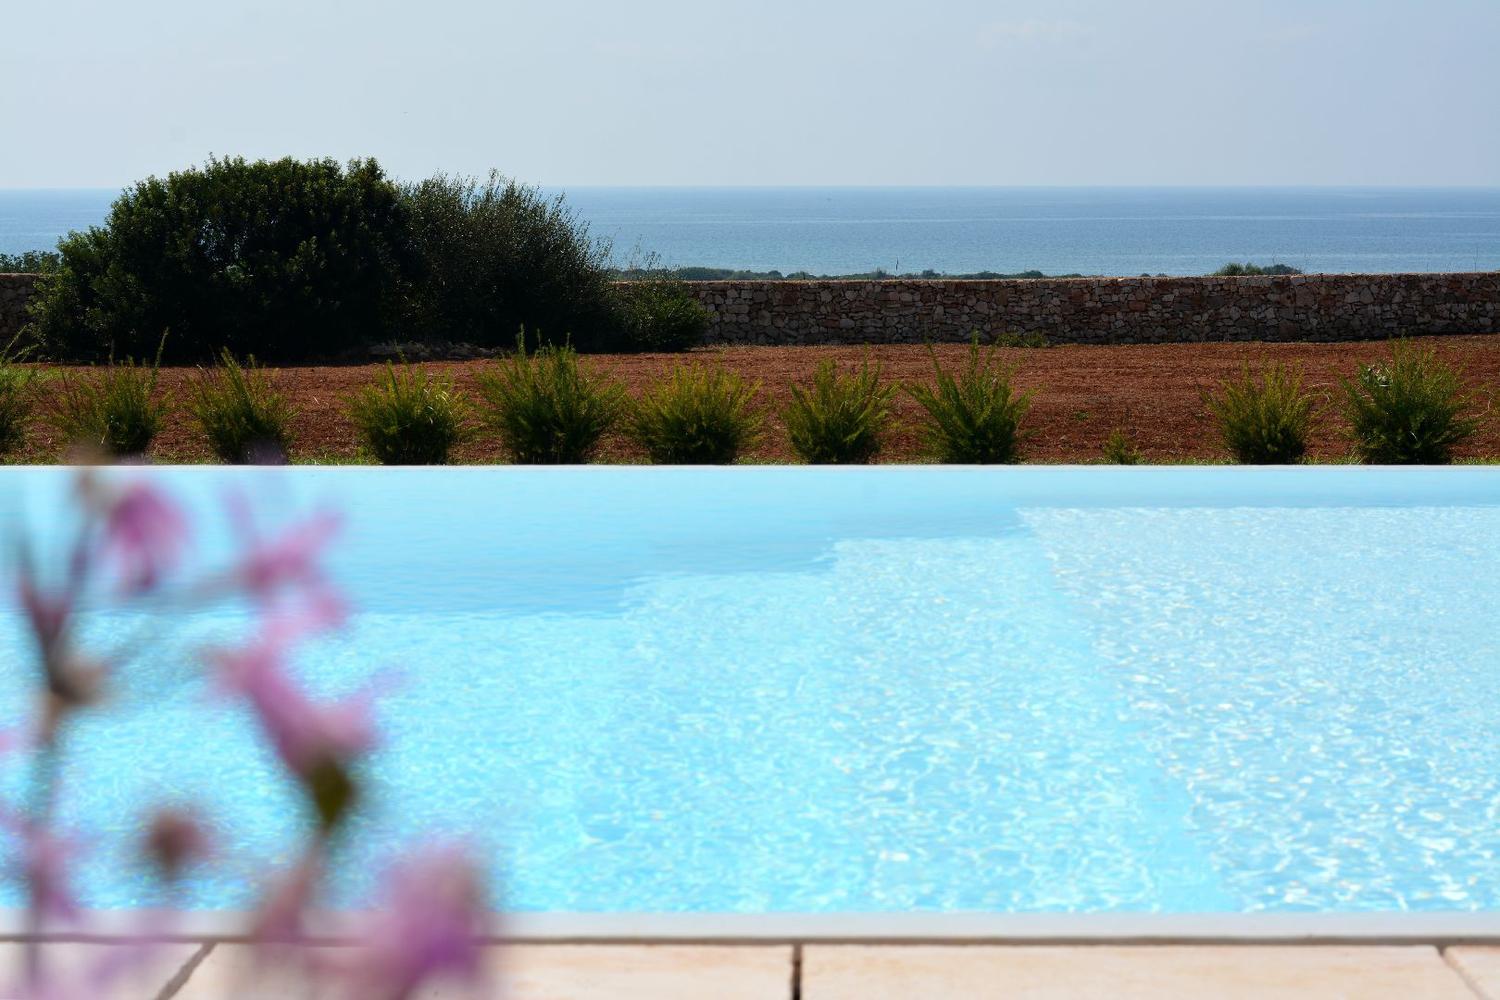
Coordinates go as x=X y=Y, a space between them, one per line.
x=218 y=971
x=560 y=956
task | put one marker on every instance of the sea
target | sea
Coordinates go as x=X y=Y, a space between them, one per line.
x=1096 y=231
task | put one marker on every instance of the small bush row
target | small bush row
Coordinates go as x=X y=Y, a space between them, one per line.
x=545 y=409
x=1409 y=410
x=540 y=404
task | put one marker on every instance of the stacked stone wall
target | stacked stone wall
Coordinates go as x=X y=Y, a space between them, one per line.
x=15 y=292
x=1103 y=310
x=1322 y=307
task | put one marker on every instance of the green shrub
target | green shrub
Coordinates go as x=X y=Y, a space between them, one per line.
x=282 y=259
x=1410 y=410
x=17 y=397
x=973 y=418
x=409 y=417
x=1020 y=340
x=497 y=256
x=242 y=414
x=1121 y=449
x=1249 y=270
x=29 y=262
x=840 y=421
x=696 y=416
x=547 y=411
x=114 y=409
x=659 y=313
x=1265 y=419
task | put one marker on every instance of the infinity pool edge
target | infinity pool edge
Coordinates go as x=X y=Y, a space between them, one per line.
x=1436 y=929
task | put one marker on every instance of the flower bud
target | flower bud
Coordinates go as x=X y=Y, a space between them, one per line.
x=174 y=840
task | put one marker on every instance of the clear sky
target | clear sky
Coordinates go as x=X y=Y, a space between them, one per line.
x=574 y=92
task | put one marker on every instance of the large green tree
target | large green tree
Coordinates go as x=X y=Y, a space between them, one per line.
x=283 y=259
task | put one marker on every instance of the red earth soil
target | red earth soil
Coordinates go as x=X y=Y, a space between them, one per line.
x=1154 y=392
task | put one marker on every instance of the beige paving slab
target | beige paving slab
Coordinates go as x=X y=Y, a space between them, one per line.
x=539 y=972
x=586 y=972
x=98 y=971
x=1480 y=966
x=1129 y=973
x=239 y=972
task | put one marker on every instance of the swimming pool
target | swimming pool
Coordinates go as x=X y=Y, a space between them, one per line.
x=863 y=690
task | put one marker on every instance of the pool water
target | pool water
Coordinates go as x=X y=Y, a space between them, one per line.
x=799 y=690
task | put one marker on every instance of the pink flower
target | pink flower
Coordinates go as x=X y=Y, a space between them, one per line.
x=47 y=614
x=44 y=864
x=428 y=929
x=145 y=534
x=306 y=735
x=280 y=918
x=47 y=860
x=290 y=560
x=175 y=840
x=16 y=738
x=72 y=679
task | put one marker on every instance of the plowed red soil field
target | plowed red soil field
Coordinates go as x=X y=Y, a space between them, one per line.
x=1082 y=393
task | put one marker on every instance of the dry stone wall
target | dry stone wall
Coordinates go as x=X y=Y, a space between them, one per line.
x=15 y=292
x=1103 y=310
x=1066 y=310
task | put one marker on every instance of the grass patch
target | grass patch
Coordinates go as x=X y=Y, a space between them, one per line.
x=17 y=398
x=1020 y=340
x=327 y=458
x=1120 y=449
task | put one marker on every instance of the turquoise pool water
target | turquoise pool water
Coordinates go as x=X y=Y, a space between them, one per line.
x=788 y=689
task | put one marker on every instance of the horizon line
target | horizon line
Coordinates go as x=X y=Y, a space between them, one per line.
x=892 y=187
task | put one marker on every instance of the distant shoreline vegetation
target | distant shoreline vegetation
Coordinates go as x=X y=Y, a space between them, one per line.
x=30 y=262
x=43 y=261
x=1250 y=270
x=880 y=274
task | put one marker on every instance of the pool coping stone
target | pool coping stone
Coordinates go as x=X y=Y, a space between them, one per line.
x=1437 y=929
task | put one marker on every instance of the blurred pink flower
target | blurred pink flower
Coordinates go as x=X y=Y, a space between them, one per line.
x=22 y=737
x=280 y=918
x=175 y=840
x=46 y=614
x=289 y=560
x=50 y=976
x=47 y=860
x=435 y=908
x=144 y=533
x=428 y=929
x=306 y=735
x=44 y=859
